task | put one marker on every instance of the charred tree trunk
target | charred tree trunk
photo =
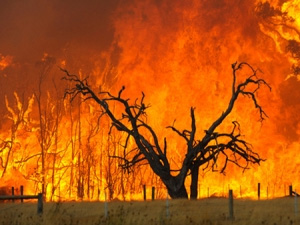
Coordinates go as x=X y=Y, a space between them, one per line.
x=176 y=192
x=194 y=181
x=175 y=187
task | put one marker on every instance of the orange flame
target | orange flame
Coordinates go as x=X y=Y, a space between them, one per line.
x=5 y=61
x=179 y=54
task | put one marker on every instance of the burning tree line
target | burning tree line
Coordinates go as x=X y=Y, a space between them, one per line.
x=81 y=156
x=53 y=146
x=70 y=149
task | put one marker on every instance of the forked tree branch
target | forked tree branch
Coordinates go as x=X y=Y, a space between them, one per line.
x=133 y=113
x=201 y=151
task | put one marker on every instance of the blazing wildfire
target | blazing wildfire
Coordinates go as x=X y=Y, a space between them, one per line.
x=191 y=97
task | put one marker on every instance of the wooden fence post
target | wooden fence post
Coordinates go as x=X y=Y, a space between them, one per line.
x=144 y=187
x=40 y=203
x=21 y=192
x=231 y=217
x=39 y=197
x=296 y=204
x=258 y=191
x=153 y=193
x=13 y=192
x=105 y=207
x=291 y=190
x=167 y=207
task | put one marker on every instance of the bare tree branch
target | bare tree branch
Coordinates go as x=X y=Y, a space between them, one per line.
x=199 y=151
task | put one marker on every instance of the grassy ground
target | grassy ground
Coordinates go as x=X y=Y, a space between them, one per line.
x=207 y=211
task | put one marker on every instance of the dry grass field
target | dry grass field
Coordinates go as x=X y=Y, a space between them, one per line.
x=213 y=211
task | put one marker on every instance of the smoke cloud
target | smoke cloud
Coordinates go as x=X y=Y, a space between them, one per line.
x=30 y=28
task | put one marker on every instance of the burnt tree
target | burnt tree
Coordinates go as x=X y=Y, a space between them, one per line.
x=203 y=151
